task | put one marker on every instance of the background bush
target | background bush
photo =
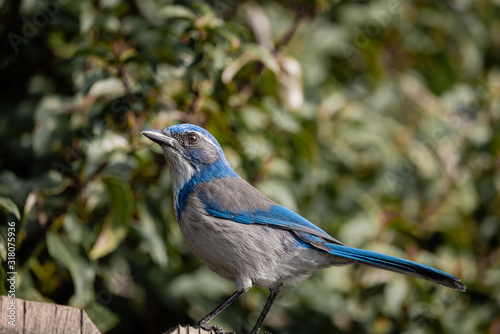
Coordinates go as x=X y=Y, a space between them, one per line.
x=376 y=120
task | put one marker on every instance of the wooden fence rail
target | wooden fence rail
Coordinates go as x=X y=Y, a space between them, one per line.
x=18 y=316
x=29 y=317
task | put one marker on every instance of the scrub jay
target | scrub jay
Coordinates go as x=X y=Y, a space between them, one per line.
x=244 y=236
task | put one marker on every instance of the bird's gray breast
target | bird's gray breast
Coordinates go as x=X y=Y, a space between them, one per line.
x=228 y=248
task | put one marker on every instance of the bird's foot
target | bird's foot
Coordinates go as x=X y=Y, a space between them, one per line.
x=207 y=327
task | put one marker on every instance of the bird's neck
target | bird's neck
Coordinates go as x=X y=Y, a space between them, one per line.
x=185 y=184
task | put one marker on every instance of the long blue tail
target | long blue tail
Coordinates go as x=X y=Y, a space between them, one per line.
x=398 y=265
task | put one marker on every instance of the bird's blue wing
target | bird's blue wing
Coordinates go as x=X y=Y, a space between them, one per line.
x=235 y=199
x=277 y=216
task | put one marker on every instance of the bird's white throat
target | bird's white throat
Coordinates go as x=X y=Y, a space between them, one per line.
x=182 y=172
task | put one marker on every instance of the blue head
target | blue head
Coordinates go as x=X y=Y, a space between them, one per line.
x=194 y=156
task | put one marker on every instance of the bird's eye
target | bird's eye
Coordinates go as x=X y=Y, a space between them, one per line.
x=192 y=138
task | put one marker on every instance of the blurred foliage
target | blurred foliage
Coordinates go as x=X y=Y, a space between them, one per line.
x=376 y=120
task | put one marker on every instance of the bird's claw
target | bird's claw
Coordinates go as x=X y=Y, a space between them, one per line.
x=215 y=329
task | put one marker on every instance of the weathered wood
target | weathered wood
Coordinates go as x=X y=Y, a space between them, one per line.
x=35 y=317
x=189 y=330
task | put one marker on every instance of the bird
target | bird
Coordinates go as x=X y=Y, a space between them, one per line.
x=244 y=236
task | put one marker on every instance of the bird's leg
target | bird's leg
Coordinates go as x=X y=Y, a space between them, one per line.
x=274 y=293
x=203 y=323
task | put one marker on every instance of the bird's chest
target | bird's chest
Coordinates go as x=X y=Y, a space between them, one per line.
x=212 y=240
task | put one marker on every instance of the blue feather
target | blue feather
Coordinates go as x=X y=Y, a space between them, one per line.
x=399 y=265
x=218 y=170
x=184 y=128
x=276 y=216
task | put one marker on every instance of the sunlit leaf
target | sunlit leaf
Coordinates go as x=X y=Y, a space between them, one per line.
x=117 y=222
x=176 y=12
x=154 y=244
x=3 y=248
x=74 y=258
x=9 y=206
x=251 y=52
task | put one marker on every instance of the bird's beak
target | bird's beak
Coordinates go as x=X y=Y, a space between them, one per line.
x=159 y=137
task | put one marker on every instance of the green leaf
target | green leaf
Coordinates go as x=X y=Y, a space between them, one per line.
x=153 y=243
x=3 y=278
x=251 y=52
x=101 y=316
x=108 y=148
x=74 y=258
x=51 y=124
x=9 y=206
x=3 y=248
x=117 y=223
x=263 y=55
x=176 y=12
